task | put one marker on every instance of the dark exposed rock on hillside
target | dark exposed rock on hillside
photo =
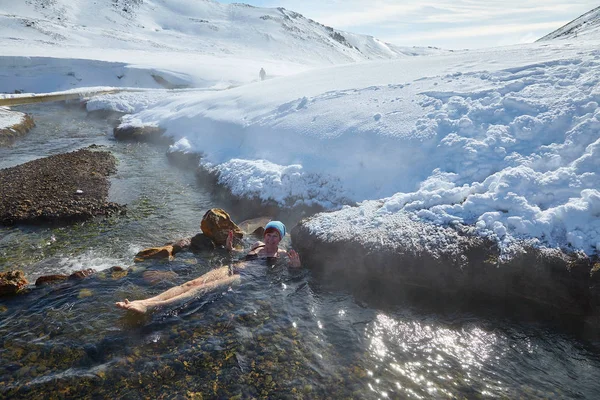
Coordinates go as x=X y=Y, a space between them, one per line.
x=10 y=133
x=410 y=257
x=61 y=188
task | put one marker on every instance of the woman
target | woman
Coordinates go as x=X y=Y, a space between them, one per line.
x=268 y=250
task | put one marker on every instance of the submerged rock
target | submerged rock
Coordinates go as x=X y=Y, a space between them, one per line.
x=200 y=242
x=84 y=273
x=164 y=252
x=83 y=293
x=46 y=190
x=117 y=272
x=155 y=277
x=216 y=224
x=50 y=279
x=59 y=278
x=12 y=282
x=395 y=256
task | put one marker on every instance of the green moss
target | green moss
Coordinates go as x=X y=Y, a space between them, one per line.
x=83 y=293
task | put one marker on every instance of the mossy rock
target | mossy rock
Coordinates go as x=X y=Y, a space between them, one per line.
x=12 y=282
x=216 y=224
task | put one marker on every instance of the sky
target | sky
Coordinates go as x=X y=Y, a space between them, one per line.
x=447 y=24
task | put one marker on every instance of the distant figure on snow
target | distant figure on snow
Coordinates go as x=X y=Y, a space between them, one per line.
x=262 y=74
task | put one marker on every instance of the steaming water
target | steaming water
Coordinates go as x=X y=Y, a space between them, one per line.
x=279 y=334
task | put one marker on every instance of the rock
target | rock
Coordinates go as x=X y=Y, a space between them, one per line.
x=155 y=277
x=165 y=252
x=216 y=224
x=12 y=282
x=50 y=279
x=548 y=277
x=117 y=272
x=83 y=293
x=595 y=286
x=181 y=245
x=255 y=225
x=44 y=190
x=183 y=160
x=151 y=134
x=412 y=258
x=84 y=273
x=201 y=243
x=258 y=232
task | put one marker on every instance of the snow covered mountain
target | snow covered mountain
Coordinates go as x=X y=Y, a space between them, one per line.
x=202 y=26
x=587 y=25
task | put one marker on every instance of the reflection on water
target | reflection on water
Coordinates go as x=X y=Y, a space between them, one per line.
x=279 y=334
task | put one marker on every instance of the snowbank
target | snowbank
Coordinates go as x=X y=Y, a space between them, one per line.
x=504 y=139
x=9 y=118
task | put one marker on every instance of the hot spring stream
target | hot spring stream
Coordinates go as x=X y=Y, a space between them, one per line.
x=280 y=334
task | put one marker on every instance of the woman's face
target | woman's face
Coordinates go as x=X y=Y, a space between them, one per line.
x=272 y=238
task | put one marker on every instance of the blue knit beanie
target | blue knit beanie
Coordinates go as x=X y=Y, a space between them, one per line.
x=277 y=225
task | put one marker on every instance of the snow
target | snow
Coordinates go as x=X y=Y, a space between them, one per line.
x=506 y=139
x=9 y=118
x=587 y=24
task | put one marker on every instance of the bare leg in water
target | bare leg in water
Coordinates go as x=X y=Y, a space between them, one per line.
x=207 y=282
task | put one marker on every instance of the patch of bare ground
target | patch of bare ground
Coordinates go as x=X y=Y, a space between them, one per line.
x=58 y=189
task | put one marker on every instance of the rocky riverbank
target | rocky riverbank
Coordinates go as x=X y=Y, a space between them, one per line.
x=58 y=189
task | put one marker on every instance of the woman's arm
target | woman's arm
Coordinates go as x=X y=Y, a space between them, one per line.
x=229 y=243
x=294 y=259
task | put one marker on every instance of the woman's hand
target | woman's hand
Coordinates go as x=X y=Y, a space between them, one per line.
x=229 y=241
x=294 y=258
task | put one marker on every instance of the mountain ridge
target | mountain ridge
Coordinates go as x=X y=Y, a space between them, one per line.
x=203 y=26
x=584 y=25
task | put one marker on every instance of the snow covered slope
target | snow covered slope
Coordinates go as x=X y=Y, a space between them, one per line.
x=588 y=25
x=202 y=26
x=505 y=140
